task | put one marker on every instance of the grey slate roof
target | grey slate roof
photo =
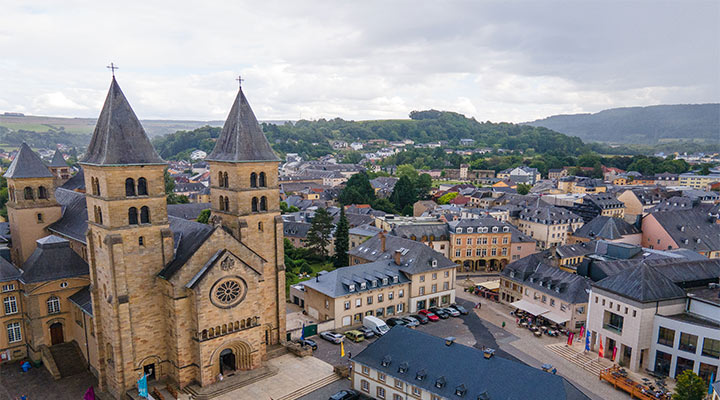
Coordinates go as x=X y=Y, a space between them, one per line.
x=459 y=367
x=643 y=283
x=76 y=182
x=338 y=283
x=119 y=138
x=296 y=229
x=58 y=160
x=188 y=236
x=8 y=272
x=241 y=138
x=481 y=222
x=604 y=227
x=189 y=211
x=53 y=259
x=27 y=164
x=83 y=300
x=549 y=215
x=416 y=257
x=73 y=222
x=549 y=279
x=437 y=231
x=690 y=229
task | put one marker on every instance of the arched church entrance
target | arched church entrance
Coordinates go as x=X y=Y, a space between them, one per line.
x=233 y=357
x=227 y=362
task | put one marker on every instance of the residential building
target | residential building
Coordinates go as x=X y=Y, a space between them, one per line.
x=609 y=229
x=480 y=244
x=688 y=229
x=361 y=233
x=549 y=226
x=593 y=205
x=666 y=179
x=531 y=175
x=435 y=235
x=697 y=181
x=638 y=201
x=557 y=173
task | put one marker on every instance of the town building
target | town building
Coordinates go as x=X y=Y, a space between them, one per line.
x=526 y=174
x=480 y=244
x=687 y=229
x=697 y=181
x=434 y=235
x=611 y=229
x=549 y=226
x=590 y=206
x=638 y=201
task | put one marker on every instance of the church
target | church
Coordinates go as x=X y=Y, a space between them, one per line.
x=101 y=273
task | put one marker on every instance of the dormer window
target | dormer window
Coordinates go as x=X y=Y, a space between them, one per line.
x=440 y=382
x=460 y=390
x=362 y=285
x=403 y=368
x=494 y=229
x=512 y=274
x=385 y=281
x=459 y=230
x=434 y=263
x=506 y=229
x=386 y=361
x=395 y=279
x=469 y=230
x=421 y=375
x=374 y=283
x=352 y=288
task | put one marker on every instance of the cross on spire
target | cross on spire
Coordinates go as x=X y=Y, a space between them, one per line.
x=112 y=67
x=240 y=81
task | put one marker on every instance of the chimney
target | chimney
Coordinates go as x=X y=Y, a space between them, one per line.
x=397 y=255
x=382 y=241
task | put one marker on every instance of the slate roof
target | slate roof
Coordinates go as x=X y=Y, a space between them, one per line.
x=604 y=227
x=690 y=229
x=438 y=231
x=416 y=257
x=189 y=211
x=643 y=283
x=338 y=283
x=8 y=272
x=83 y=300
x=549 y=215
x=296 y=229
x=73 y=222
x=27 y=164
x=53 y=259
x=604 y=201
x=459 y=367
x=549 y=279
x=188 y=236
x=674 y=203
x=76 y=182
x=119 y=138
x=58 y=160
x=241 y=138
x=481 y=222
x=365 y=230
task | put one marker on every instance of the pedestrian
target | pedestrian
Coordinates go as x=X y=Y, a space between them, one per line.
x=503 y=324
x=479 y=305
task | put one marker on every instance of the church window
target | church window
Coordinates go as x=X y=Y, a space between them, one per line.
x=42 y=192
x=132 y=216
x=204 y=334
x=12 y=193
x=263 y=203
x=39 y=217
x=145 y=215
x=29 y=195
x=242 y=324
x=226 y=182
x=228 y=291
x=129 y=187
x=222 y=203
x=95 y=183
x=212 y=332
x=109 y=356
x=249 y=322
x=13 y=330
x=254 y=204
x=63 y=285
x=99 y=215
x=142 y=187
x=237 y=325
x=141 y=241
x=220 y=179
x=253 y=180
x=263 y=183
x=224 y=329
x=53 y=305
x=260 y=226
x=227 y=203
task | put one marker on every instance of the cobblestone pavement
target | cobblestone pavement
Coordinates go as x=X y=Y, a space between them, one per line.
x=38 y=384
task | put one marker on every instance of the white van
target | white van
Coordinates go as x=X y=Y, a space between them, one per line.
x=376 y=325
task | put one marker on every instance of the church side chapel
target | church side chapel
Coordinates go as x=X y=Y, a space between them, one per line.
x=102 y=277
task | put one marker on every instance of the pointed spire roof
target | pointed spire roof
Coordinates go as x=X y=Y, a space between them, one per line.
x=241 y=138
x=58 y=160
x=119 y=138
x=27 y=164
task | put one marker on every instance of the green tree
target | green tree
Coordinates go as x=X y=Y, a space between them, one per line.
x=342 y=241
x=689 y=387
x=423 y=185
x=404 y=193
x=319 y=236
x=204 y=216
x=305 y=268
x=173 y=198
x=284 y=209
x=523 y=188
x=358 y=190
x=408 y=171
x=352 y=157
x=445 y=199
x=384 y=205
x=705 y=170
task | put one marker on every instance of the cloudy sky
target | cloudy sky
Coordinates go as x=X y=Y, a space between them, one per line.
x=494 y=60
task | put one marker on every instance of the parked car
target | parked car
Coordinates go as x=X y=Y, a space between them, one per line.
x=431 y=316
x=410 y=321
x=439 y=312
x=367 y=332
x=355 y=335
x=376 y=325
x=453 y=312
x=394 y=321
x=307 y=342
x=346 y=394
x=460 y=308
x=333 y=337
x=421 y=318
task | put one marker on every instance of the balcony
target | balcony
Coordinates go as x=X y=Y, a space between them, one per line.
x=613 y=328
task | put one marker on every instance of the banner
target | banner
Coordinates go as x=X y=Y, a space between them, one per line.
x=90 y=394
x=582 y=332
x=614 y=353
x=302 y=332
x=342 y=349
x=587 y=341
x=570 y=338
x=143 y=386
x=600 y=352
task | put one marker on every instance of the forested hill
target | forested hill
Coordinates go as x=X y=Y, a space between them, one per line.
x=653 y=124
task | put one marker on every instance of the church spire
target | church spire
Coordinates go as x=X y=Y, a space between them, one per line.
x=241 y=138
x=119 y=138
x=58 y=160
x=27 y=164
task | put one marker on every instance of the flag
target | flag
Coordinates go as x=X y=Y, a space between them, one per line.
x=143 y=386
x=89 y=394
x=710 y=386
x=600 y=352
x=614 y=353
x=582 y=332
x=302 y=332
x=587 y=341
x=570 y=338
x=342 y=349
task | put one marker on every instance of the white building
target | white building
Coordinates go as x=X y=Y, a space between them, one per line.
x=198 y=155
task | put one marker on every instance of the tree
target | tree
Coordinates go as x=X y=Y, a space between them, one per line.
x=403 y=194
x=284 y=209
x=384 y=205
x=689 y=387
x=523 y=188
x=408 y=171
x=445 y=199
x=705 y=170
x=342 y=241
x=423 y=185
x=352 y=157
x=358 y=190
x=319 y=236
x=204 y=216
x=173 y=198
x=305 y=268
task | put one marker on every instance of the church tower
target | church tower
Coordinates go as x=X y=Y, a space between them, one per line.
x=245 y=198
x=31 y=202
x=129 y=242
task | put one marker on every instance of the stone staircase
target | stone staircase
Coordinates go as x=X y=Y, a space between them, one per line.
x=275 y=351
x=68 y=359
x=230 y=383
x=588 y=362
x=311 y=387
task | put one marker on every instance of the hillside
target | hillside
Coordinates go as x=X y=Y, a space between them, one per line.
x=641 y=125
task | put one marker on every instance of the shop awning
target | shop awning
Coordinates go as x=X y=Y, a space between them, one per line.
x=555 y=317
x=490 y=285
x=527 y=306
